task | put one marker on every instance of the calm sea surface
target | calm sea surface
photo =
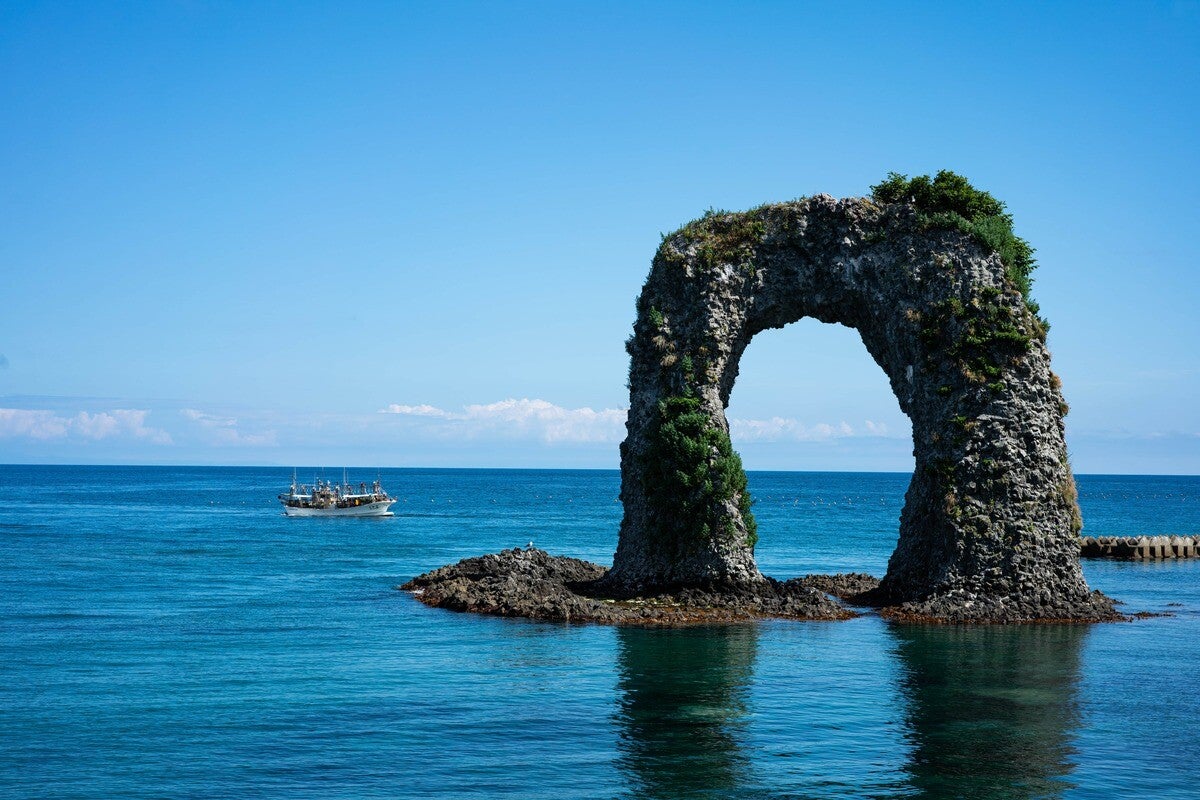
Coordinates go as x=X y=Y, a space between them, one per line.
x=166 y=632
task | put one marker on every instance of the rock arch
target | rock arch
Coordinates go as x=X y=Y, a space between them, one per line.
x=990 y=525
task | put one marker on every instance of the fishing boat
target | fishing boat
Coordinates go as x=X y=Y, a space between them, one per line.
x=325 y=499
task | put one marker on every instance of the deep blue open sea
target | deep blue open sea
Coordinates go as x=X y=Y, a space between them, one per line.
x=166 y=633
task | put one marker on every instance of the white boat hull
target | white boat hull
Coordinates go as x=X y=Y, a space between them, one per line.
x=379 y=509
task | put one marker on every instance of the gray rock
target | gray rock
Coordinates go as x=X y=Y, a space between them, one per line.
x=989 y=530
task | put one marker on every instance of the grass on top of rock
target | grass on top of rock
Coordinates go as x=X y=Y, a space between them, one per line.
x=949 y=200
x=692 y=468
x=723 y=237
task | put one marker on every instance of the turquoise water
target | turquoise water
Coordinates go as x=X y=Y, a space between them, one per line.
x=167 y=633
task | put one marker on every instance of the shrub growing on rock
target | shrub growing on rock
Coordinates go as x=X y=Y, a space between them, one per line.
x=948 y=200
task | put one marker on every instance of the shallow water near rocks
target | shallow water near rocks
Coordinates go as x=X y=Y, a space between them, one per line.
x=167 y=633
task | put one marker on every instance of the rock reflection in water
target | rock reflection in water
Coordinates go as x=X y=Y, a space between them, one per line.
x=991 y=710
x=682 y=709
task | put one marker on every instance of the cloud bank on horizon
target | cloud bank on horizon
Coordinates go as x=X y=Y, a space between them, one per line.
x=534 y=419
x=536 y=424
x=224 y=430
x=516 y=432
x=44 y=424
x=549 y=423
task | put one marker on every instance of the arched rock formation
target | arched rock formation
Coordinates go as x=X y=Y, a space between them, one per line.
x=990 y=524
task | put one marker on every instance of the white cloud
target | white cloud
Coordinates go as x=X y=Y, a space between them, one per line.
x=553 y=424
x=786 y=429
x=32 y=424
x=876 y=428
x=224 y=430
x=121 y=421
x=539 y=419
x=778 y=429
x=43 y=424
x=415 y=411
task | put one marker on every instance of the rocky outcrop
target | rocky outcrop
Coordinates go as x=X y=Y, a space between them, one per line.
x=854 y=587
x=990 y=526
x=532 y=583
x=931 y=276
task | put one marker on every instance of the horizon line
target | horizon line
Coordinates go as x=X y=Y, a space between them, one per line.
x=557 y=469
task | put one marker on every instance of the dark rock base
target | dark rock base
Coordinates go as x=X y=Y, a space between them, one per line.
x=532 y=583
x=963 y=607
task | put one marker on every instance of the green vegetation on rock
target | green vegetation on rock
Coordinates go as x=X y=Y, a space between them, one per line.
x=691 y=467
x=949 y=200
x=724 y=237
x=979 y=336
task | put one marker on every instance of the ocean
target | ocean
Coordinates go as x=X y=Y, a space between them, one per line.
x=166 y=632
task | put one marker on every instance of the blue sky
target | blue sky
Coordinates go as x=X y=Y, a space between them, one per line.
x=412 y=234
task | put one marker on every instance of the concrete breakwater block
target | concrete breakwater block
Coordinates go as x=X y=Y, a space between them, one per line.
x=1140 y=548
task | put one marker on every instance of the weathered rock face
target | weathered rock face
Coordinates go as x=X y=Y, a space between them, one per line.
x=990 y=526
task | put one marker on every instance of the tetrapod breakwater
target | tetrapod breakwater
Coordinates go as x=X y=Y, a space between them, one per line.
x=1140 y=548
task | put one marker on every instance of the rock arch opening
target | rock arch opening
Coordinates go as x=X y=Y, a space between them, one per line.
x=937 y=291
x=810 y=398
